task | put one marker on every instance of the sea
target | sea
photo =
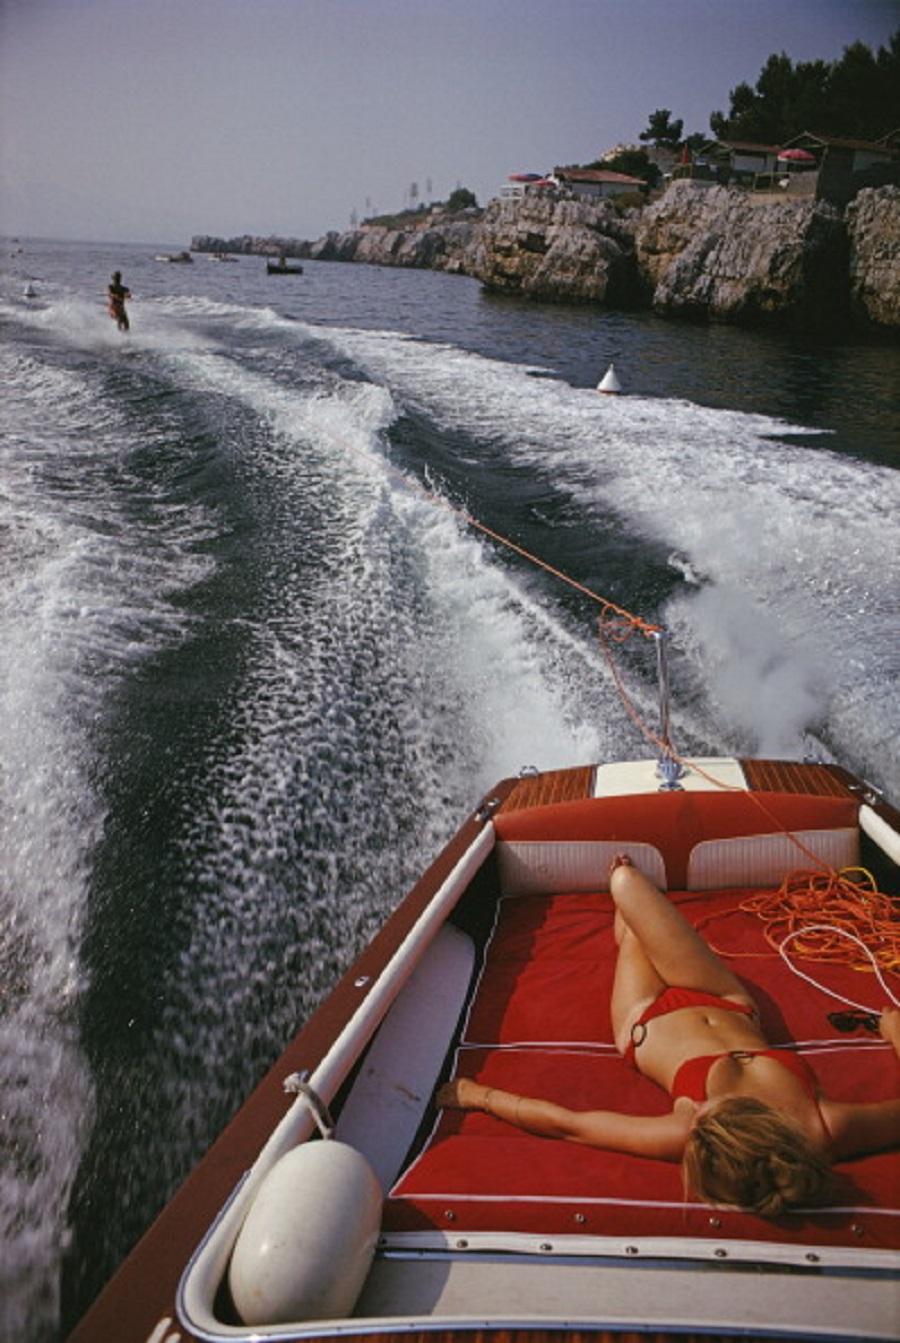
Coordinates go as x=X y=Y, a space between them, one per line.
x=256 y=663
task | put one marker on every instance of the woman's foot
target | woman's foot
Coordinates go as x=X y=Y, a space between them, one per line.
x=622 y=872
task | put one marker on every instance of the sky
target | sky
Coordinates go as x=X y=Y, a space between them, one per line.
x=153 y=120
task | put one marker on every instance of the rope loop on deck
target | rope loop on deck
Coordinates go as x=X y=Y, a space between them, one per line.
x=830 y=917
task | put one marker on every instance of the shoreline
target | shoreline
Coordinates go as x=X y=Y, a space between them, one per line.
x=697 y=254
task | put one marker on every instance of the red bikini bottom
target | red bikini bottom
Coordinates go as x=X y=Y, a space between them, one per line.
x=670 y=1000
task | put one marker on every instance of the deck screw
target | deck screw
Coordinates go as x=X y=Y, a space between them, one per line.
x=580 y=1218
x=631 y=1249
x=361 y=981
x=721 y=1254
x=462 y=1244
x=546 y=1247
x=857 y=1229
x=715 y=1221
x=450 y=1216
x=812 y=1258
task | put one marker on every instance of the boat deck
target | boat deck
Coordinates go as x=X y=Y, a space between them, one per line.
x=775 y=776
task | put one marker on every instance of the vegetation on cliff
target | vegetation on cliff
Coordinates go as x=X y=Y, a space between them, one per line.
x=857 y=96
x=418 y=215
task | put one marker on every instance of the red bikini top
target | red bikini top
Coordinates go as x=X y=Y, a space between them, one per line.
x=690 y=1079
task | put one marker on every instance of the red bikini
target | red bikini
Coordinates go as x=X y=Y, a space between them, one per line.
x=670 y=1000
x=690 y=1079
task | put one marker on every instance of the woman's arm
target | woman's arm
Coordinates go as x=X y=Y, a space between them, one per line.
x=870 y=1127
x=856 y=1129
x=660 y=1136
x=889 y=1026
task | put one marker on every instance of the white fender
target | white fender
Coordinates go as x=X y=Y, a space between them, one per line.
x=307 y=1242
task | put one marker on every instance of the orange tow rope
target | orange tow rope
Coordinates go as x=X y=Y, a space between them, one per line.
x=817 y=909
x=624 y=619
x=837 y=918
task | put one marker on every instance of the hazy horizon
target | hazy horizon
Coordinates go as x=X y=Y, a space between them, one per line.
x=150 y=120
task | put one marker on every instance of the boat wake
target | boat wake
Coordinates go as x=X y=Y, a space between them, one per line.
x=788 y=536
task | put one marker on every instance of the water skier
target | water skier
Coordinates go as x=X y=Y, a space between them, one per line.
x=116 y=296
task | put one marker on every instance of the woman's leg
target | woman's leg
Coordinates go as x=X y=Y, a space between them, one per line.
x=674 y=949
x=635 y=986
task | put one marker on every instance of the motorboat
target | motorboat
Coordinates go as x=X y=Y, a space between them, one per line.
x=282 y=267
x=221 y=256
x=175 y=258
x=341 y=1202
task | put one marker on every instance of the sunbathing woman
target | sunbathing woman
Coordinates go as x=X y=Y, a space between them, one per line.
x=748 y=1122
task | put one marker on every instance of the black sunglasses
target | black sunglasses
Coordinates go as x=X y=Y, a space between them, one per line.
x=851 y=1021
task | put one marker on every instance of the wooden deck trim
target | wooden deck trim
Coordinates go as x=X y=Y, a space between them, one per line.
x=554 y=785
x=794 y=776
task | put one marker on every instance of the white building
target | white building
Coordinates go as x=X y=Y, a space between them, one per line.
x=595 y=183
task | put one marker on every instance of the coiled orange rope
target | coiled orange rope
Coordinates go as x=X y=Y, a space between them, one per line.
x=816 y=909
x=836 y=917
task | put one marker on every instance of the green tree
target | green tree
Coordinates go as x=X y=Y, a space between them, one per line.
x=462 y=199
x=859 y=95
x=661 y=130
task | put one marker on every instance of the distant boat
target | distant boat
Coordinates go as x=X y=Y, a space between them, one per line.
x=281 y=267
x=609 y=383
x=30 y=291
x=181 y=258
x=221 y=256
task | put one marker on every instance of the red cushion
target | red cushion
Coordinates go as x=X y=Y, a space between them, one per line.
x=676 y=821
x=547 y=1187
x=557 y=1012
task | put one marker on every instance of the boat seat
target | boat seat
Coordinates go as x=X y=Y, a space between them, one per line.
x=711 y=841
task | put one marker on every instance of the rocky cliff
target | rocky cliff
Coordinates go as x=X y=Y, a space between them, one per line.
x=438 y=242
x=698 y=252
x=873 y=226
x=727 y=255
x=556 y=250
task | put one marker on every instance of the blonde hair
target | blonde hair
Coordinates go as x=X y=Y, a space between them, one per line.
x=742 y=1153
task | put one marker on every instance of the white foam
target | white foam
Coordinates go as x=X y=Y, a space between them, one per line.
x=84 y=592
x=791 y=539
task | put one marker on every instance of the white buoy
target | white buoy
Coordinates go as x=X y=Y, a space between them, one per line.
x=609 y=383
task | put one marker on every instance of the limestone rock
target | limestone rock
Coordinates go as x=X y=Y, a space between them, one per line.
x=438 y=243
x=722 y=254
x=556 y=250
x=873 y=226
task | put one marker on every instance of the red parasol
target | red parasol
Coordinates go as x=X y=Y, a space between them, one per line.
x=796 y=156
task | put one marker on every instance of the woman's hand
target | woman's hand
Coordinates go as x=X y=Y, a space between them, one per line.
x=461 y=1094
x=889 y=1025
